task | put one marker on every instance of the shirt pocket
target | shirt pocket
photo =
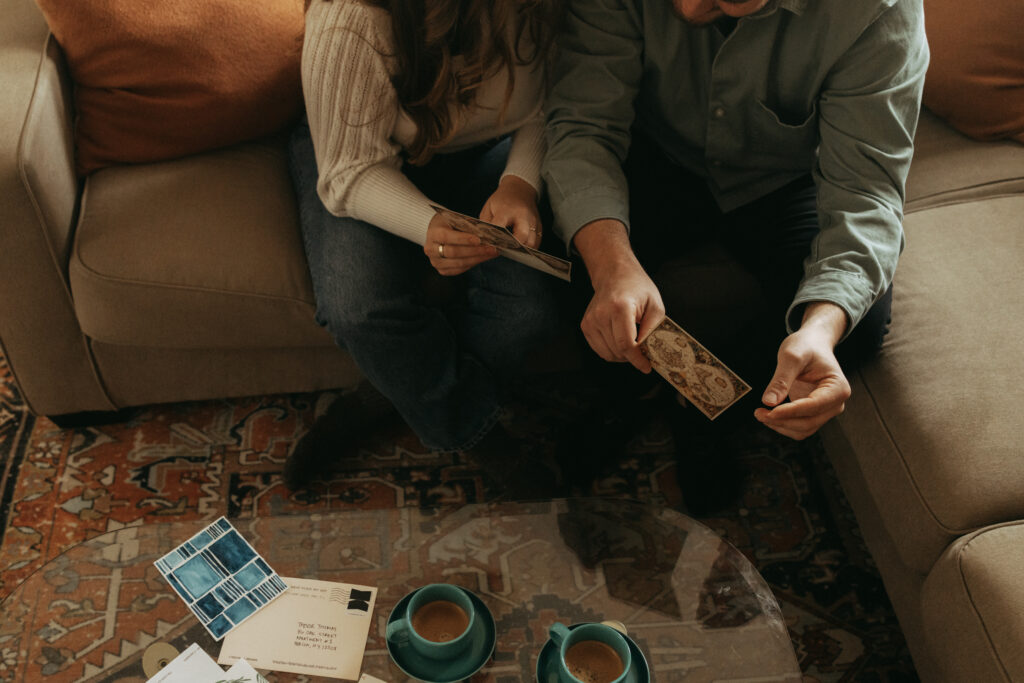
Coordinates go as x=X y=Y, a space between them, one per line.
x=782 y=142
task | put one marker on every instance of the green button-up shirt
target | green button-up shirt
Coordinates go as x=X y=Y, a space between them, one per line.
x=831 y=87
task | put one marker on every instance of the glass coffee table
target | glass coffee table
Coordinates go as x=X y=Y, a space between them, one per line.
x=693 y=604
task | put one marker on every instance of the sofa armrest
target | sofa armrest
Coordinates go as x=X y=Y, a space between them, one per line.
x=39 y=332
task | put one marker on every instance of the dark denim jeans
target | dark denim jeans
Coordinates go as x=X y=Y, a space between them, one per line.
x=443 y=368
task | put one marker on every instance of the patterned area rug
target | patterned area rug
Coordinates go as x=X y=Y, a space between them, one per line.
x=197 y=461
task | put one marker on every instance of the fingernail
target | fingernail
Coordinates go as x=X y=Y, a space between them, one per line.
x=770 y=397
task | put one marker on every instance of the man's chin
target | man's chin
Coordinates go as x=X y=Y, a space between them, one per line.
x=685 y=10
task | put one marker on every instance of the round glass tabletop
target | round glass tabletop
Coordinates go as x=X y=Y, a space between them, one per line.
x=693 y=604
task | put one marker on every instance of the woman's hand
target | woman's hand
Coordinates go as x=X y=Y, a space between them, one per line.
x=514 y=205
x=452 y=252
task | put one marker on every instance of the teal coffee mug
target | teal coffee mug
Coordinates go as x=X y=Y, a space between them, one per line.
x=590 y=653
x=437 y=622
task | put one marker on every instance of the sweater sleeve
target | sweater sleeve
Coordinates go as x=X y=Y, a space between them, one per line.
x=527 y=152
x=352 y=106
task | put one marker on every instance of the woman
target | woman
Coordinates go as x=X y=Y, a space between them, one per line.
x=411 y=103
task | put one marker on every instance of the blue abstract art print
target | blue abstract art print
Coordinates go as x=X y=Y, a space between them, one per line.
x=220 y=577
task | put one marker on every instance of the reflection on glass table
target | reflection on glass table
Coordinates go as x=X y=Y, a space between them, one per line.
x=693 y=604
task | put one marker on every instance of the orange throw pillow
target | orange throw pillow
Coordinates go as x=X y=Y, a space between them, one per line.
x=156 y=81
x=976 y=76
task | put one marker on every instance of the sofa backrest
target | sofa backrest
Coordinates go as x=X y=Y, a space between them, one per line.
x=950 y=168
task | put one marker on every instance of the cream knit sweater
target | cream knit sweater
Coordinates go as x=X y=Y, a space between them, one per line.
x=359 y=129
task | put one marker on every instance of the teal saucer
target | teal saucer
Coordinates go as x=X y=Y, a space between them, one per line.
x=547 y=663
x=481 y=647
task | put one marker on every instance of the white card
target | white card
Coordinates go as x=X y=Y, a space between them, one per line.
x=242 y=672
x=192 y=665
x=195 y=666
x=318 y=628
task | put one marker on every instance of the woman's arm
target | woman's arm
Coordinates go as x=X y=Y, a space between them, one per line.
x=352 y=107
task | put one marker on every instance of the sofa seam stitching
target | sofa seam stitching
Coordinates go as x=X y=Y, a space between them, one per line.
x=967 y=200
x=193 y=288
x=906 y=468
x=974 y=607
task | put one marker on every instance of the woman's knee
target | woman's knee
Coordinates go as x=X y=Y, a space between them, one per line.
x=526 y=294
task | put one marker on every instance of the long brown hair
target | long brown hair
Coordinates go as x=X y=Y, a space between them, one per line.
x=488 y=35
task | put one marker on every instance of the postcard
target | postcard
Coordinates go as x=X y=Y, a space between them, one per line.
x=317 y=628
x=220 y=577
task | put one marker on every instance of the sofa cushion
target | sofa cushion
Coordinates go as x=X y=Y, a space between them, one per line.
x=949 y=167
x=201 y=252
x=135 y=376
x=976 y=76
x=161 y=80
x=973 y=606
x=936 y=419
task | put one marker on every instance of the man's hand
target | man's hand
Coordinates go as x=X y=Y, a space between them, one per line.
x=809 y=374
x=626 y=305
x=514 y=205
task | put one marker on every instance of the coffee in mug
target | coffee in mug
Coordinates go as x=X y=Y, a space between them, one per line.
x=592 y=661
x=590 y=653
x=440 y=621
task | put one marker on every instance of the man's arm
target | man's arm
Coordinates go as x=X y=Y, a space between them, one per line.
x=868 y=111
x=590 y=112
x=868 y=114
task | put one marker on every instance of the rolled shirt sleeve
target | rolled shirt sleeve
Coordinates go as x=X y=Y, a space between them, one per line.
x=868 y=113
x=590 y=113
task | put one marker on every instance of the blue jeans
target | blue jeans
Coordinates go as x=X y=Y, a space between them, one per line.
x=441 y=367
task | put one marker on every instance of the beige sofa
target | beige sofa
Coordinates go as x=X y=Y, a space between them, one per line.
x=930 y=450
x=178 y=280
x=186 y=280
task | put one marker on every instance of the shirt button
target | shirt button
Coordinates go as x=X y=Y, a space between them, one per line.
x=719 y=112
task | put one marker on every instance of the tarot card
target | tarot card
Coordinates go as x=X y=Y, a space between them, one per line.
x=220 y=577
x=495 y=235
x=506 y=243
x=693 y=370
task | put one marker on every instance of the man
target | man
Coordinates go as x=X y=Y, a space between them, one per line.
x=781 y=129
